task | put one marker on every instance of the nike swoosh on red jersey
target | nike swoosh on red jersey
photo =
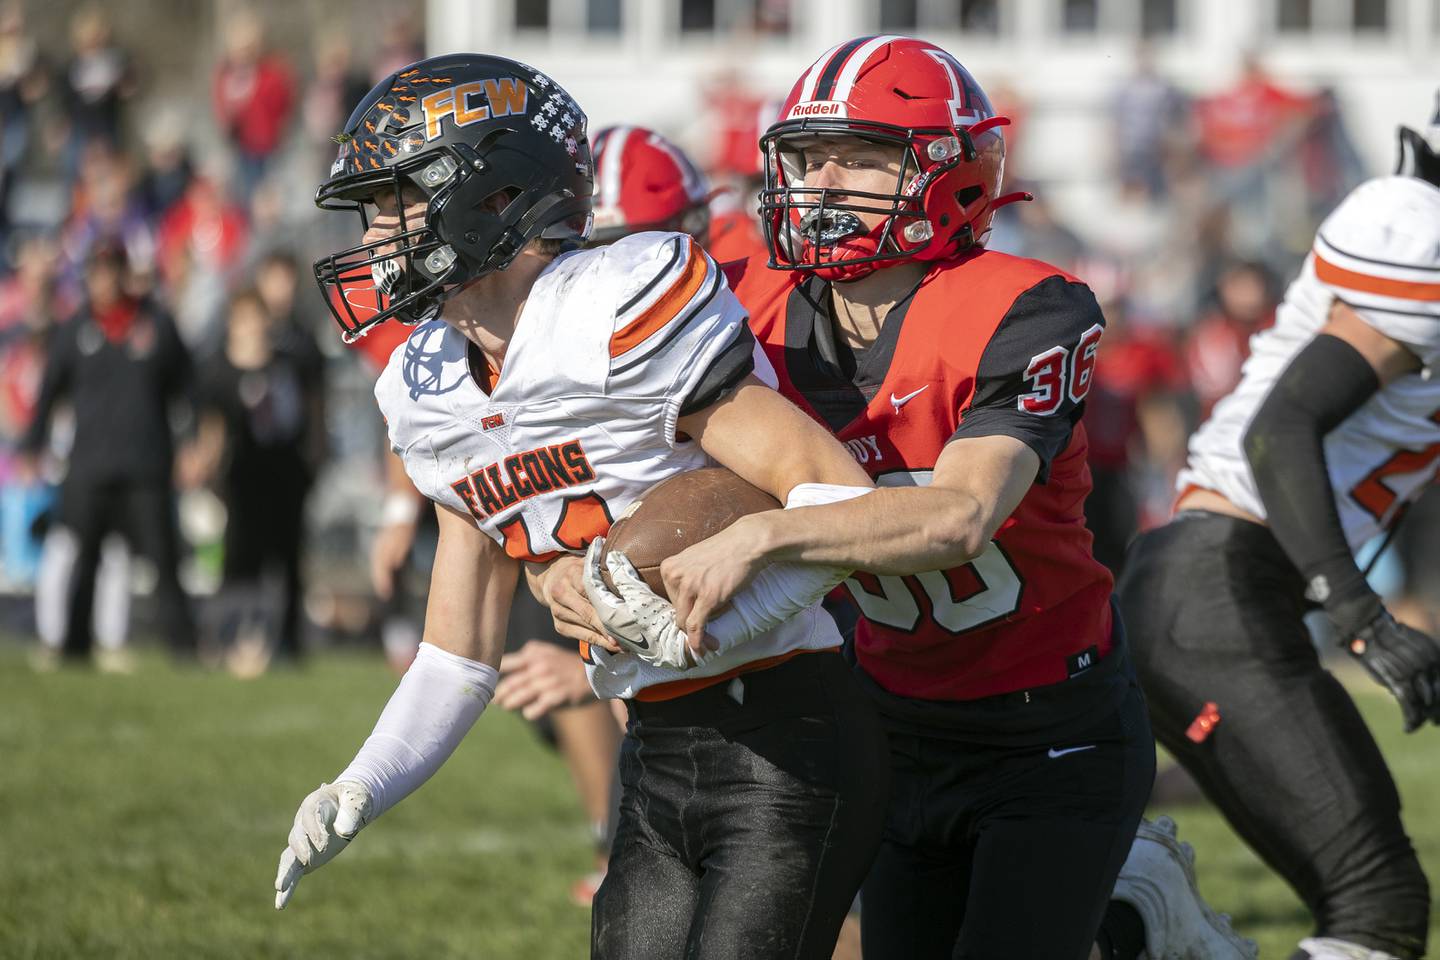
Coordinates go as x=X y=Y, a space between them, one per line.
x=898 y=402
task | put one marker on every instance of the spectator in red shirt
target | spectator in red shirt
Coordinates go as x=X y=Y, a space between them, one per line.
x=200 y=242
x=254 y=93
x=1136 y=426
x=737 y=117
x=1217 y=346
x=1239 y=126
x=29 y=305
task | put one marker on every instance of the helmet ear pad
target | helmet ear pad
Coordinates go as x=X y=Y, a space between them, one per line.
x=1416 y=158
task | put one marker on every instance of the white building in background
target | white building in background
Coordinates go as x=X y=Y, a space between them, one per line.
x=653 y=61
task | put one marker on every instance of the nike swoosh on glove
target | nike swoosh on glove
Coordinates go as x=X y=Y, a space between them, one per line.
x=641 y=621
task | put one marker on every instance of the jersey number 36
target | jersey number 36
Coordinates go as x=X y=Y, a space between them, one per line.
x=1061 y=373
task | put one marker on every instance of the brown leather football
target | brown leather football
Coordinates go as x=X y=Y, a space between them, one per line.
x=677 y=512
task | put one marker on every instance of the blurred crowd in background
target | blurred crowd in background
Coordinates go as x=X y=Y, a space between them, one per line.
x=160 y=333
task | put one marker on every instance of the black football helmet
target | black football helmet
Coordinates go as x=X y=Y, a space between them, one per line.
x=1418 y=151
x=498 y=148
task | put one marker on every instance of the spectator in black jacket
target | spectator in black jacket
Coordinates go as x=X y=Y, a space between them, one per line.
x=122 y=366
x=256 y=437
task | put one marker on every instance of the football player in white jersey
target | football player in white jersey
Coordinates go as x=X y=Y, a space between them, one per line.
x=541 y=392
x=1334 y=428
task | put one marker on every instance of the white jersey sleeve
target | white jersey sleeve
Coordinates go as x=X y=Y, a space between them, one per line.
x=674 y=319
x=1379 y=252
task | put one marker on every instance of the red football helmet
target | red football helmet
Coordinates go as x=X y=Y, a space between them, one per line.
x=892 y=90
x=645 y=182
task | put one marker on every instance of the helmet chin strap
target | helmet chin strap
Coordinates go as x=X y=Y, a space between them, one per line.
x=1417 y=159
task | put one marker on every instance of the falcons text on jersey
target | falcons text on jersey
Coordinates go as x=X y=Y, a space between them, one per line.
x=581 y=419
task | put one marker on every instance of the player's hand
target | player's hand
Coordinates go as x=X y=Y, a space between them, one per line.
x=704 y=577
x=388 y=554
x=325 y=824
x=563 y=589
x=641 y=621
x=1404 y=661
x=539 y=677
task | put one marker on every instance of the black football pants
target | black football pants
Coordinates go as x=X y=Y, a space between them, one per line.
x=1213 y=607
x=263 y=536
x=747 y=827
x=1004 y=852
x=144 y=513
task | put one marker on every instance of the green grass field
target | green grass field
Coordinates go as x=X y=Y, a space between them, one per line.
x=142 y=817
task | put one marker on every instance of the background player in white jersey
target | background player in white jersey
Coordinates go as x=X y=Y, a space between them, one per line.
x=539 y=396
x=1334 y=428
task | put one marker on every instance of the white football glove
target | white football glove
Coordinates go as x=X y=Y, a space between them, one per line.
x=640 y=620
x=325 y=824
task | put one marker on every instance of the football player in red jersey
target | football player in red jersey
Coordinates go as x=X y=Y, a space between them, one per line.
x=1021 y=753
x=541 y=391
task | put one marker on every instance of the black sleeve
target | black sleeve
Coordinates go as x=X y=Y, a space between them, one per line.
x=1326 y=382
x=179 y=366
x=733 y=364
x=178 y=375
x=54 y=383
x=212 y=384
x=1036 y=369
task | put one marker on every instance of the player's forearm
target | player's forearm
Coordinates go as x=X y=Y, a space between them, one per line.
x=895 y=531
x=454 y=674
x=438 y=701
x=1325 y=383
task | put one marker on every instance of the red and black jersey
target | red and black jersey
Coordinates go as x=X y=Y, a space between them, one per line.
x=987 y=344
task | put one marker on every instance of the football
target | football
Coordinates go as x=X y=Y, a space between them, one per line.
x=677 y=512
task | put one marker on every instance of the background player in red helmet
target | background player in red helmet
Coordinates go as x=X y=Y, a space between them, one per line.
x=1020 y=749
x=645 y=182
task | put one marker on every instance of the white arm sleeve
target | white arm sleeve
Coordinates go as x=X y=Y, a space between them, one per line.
x=782 y=590
x=438 y=701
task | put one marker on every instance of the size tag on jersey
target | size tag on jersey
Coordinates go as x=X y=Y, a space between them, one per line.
x=1077 y=664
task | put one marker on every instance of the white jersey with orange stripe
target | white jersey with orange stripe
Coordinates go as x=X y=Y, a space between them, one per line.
x=1379 y=253
x=581 y=418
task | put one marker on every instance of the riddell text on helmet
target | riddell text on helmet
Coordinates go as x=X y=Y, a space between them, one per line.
x=817 y=108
